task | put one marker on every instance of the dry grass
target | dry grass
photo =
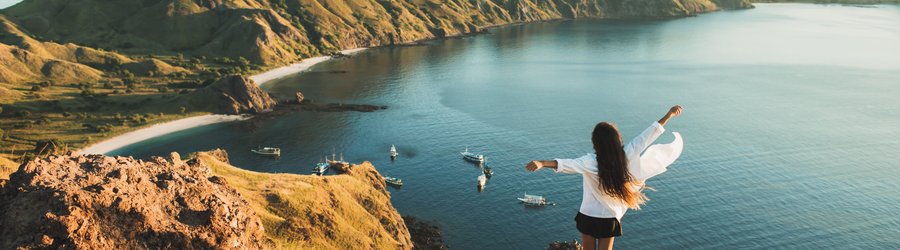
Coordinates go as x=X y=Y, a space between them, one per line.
x=7 y=167
x=312 y=212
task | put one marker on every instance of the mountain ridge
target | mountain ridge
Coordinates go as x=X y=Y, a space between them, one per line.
x=273 y=32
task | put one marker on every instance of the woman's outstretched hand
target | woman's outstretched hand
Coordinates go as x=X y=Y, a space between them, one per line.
x=534 y=166
x=673 y=112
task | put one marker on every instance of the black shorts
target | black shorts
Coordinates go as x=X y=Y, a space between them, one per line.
x=598 y=227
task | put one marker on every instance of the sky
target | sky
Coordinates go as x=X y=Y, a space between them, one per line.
x=7 y=3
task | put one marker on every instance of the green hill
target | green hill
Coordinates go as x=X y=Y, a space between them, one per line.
x=26 y=59
x=273 y=32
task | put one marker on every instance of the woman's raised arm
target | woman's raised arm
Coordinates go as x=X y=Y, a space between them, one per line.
x=673 y=112
x=539 y=164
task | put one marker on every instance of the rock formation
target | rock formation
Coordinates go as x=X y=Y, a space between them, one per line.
x=425 y=235
x=232 y=94
x=98 y=202
x=574 y=245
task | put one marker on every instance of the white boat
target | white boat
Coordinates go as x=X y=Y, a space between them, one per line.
x=393 y=181
x=394 y=153
x=533 y=200
x=320 y=168
x=267 y=151
x=469 y=156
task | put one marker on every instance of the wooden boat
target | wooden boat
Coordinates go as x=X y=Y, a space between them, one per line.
x=334 y=160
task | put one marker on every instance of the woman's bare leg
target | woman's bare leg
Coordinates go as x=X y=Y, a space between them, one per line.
x=605 y=243
x=588 y=242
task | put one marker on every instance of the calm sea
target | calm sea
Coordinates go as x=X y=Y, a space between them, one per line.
x=791 y=124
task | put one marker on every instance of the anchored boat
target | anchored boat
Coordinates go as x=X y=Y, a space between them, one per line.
x=488 y=172
x=334 y=160
x=533 y=200
x=393 y=181
x=339 y=165
x=469 y=156
x=267 y=151
x=320 y=168
x=394 y=153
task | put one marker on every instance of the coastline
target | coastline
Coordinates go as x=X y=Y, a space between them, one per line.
x=294 y=68
x=160 y=129
x=110 y=144
x=136 y=136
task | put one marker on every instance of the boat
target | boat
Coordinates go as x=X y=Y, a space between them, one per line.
x=334 y=160
x=394 y=153
x=320 y=168
x=533 y=200
x=339 y=165
x=469 y=156
x=268 y=151
x=393 y=181
x=488 y=171
x=482 y=182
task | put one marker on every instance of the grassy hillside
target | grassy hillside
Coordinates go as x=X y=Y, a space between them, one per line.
x=76 y=95
x=351 y=211
x=7 y=167
x=272 y=32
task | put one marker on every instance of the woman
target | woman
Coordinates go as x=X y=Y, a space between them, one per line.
x=614 y=176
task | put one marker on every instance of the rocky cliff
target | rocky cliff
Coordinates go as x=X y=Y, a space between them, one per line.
x=233 y=94
x=98 y=202
x=273 y=32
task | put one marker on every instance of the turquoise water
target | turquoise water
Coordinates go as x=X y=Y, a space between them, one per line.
x=791 y=126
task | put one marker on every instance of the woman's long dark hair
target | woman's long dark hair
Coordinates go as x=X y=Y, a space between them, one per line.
x=612 y=165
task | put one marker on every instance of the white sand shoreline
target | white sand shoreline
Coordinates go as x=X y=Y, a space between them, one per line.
x=123 y=140
x=304 y=65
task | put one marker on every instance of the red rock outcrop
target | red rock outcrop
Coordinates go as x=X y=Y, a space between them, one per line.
x=232 y=95
x=99 y=202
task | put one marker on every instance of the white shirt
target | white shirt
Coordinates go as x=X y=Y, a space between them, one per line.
x=594 y=202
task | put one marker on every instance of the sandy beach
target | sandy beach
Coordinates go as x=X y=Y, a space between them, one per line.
x=276 y=73
x=132 y=137
x=139 y=135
